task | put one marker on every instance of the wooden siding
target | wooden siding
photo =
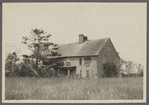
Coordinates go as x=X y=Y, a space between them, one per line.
x=107 y=54
x=92 y=67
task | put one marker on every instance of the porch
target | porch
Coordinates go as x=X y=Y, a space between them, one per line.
x=68 y=70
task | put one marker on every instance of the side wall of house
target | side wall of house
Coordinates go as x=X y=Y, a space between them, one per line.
x=108 y=54
x=89 y=65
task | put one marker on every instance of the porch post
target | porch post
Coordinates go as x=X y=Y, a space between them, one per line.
x=68 y=72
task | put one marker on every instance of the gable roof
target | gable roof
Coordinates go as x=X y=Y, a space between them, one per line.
x=88 y=48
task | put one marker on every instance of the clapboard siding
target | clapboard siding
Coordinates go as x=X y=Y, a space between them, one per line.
x=92 y=67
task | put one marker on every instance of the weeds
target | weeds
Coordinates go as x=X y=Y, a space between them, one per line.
x=30 y=88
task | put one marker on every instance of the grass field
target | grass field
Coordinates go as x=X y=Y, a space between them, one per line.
x=73 y=89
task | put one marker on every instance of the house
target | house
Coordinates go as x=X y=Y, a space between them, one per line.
x=86 y=57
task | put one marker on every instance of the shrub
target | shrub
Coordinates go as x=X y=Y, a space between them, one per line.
x=110 y=70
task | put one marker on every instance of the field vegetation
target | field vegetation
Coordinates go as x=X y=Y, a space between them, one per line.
x=31 y=88
x=37 y=76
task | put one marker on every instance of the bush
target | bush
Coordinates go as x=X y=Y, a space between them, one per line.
x=110 y=70
x=141 y=74
x=133 y=74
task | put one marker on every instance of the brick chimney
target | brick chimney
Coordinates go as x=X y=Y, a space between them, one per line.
x=82 y=38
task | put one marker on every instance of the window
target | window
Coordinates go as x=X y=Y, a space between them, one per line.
x=80 y=73
x=80 y=61
x=87 y=73
x=87 y=61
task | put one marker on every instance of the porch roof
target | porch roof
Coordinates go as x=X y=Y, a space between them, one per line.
x=67 y=67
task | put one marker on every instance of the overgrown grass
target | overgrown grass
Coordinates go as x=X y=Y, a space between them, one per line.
x=73 y=89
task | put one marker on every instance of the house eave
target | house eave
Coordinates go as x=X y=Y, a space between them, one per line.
x=72 y=56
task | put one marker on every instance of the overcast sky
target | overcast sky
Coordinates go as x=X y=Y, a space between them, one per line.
x=124 y=23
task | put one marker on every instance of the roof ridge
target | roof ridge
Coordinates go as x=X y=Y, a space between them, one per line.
x=68 y=43
x=85 y=41
x=99 y=39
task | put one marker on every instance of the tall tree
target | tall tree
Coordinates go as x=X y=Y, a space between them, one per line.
x=38 y=43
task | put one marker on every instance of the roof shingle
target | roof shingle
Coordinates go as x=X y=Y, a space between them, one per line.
x=88 y=48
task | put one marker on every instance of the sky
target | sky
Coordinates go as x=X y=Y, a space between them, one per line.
x=124 y=23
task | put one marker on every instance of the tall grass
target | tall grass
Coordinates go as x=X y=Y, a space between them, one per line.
x=73 y=89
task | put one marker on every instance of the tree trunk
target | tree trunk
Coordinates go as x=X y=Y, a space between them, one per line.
x=36 y=64
x=35 y=72
x=47 y=72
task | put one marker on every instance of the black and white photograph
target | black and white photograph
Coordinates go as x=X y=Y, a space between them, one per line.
x=74 y=52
